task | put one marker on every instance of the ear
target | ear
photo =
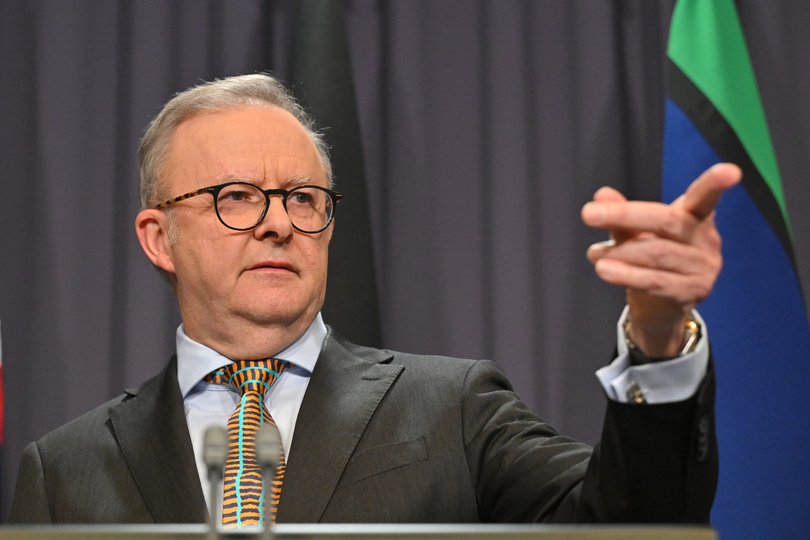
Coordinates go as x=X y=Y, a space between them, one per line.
x=151 y=227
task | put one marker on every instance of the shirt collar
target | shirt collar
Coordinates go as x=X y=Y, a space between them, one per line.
x=195 y=360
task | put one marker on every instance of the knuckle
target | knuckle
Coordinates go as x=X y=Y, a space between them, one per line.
x=701 y=285
x=712 y=262
x=659 y=254
x=717 y=263
x=715 y=241
x=702 y=289
x=672 y=224
x=710 y=238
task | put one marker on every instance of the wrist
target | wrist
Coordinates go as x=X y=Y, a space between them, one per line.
x=662 y=345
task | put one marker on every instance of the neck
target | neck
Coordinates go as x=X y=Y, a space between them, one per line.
x=248 y=340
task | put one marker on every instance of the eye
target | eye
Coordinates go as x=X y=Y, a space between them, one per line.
x=301 y=196
x=240 y=193
x=234 y=196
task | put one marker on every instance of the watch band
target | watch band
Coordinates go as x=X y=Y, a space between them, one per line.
x=691 y=337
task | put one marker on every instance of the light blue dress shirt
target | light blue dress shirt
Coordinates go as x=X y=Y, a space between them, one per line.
x=212 y=404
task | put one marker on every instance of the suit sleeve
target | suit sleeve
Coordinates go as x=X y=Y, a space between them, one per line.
x=30 y=503
x=654 y=463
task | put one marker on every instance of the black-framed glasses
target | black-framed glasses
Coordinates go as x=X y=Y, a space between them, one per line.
x=241 y=206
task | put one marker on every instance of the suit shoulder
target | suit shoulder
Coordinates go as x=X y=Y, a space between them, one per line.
x=92 y=425
x=434 y=363
x=434 y=366
x=90 y=421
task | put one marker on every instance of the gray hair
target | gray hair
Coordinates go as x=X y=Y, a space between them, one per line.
x=220 y=94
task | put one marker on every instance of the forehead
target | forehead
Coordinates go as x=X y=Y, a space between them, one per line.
x=265 y=144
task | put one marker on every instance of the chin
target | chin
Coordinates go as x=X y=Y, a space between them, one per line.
x=267 y=307
x=275 y=313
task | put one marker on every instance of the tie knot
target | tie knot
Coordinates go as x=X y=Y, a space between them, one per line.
x=249 y=375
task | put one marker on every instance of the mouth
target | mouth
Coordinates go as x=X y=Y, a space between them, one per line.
x=272 y=266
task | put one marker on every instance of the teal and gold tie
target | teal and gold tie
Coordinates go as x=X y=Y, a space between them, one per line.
x=243 y=497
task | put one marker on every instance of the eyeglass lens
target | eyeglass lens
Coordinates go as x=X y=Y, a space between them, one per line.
x=241 y=206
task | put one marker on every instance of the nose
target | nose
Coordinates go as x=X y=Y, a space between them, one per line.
x=276 y=224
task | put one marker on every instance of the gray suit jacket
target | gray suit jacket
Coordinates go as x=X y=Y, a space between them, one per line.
x=383 y=436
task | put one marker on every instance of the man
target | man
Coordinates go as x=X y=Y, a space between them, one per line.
x=237 y=212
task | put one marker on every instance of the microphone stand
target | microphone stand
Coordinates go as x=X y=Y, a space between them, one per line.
x=268 y=454
x=215 y=452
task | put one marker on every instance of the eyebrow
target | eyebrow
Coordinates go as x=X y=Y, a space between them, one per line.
x=234 y=178
x=292 y=181
x=298 y=181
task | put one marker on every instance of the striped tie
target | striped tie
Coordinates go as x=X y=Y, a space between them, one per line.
x=243 y=499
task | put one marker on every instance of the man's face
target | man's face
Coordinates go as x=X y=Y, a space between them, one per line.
x=270 y=277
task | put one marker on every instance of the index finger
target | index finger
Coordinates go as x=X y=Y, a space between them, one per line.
x=703 y=194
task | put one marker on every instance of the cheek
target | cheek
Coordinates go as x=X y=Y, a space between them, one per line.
x=208 y=262
x=317 y=260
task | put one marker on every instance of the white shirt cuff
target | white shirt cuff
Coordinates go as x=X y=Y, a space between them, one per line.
x=659 y=382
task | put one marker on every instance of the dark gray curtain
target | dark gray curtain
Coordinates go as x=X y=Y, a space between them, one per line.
x=486 y=125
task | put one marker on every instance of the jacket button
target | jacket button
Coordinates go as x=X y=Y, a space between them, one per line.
x=703 y=438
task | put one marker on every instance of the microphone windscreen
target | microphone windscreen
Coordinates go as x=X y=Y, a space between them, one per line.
x=215 y=447
x=268 y=446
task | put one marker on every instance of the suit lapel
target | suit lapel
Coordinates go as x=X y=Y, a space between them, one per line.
x=151 y=430
x=342 y=395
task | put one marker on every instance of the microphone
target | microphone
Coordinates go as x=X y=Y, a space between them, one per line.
x=268 y=454
x=215 y=452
